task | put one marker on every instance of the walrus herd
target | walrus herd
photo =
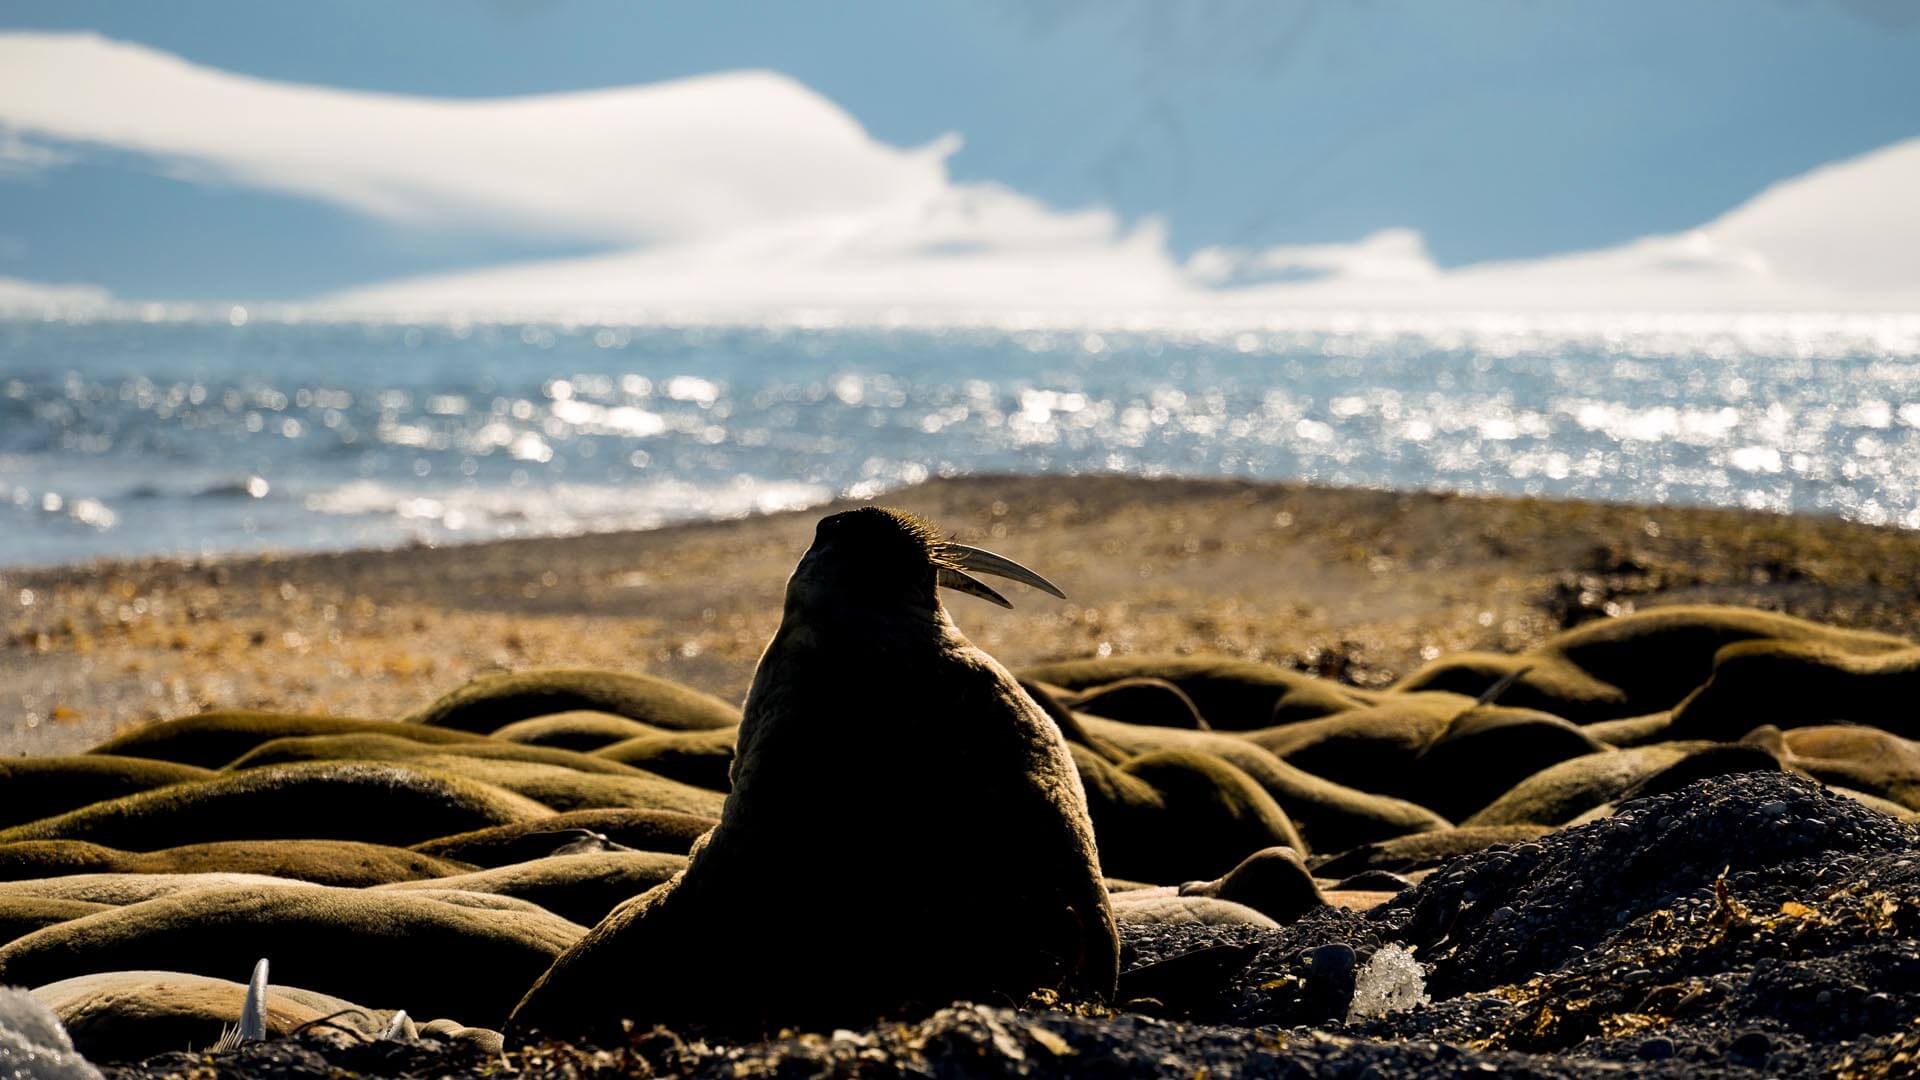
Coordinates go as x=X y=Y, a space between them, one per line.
x=892 y=822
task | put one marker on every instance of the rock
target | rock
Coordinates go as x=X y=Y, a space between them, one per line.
x=1330 y=974
x=1571 y=888
x=1751 y=1046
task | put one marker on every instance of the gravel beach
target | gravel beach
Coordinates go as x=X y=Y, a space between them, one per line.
x=1358 y=586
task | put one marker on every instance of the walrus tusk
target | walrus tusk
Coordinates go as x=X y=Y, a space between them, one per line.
x=959 y=581
x=253 y=1015
x=981 y=561
x=253 y=1010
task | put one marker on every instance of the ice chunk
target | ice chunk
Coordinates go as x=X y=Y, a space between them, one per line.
x=1390 y=982
x=33 y=1045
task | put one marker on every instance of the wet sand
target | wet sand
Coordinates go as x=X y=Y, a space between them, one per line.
x=1356 y=585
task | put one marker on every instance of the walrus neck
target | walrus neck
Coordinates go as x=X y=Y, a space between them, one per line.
x=858 y=622
x=815 y=606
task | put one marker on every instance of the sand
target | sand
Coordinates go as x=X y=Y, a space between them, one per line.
x=1356 y=585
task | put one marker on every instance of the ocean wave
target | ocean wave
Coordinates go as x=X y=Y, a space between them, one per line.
x=563 y=508
x=370 y=434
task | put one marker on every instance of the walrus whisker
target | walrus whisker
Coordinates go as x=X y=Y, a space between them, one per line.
x=1500 y=686
x=982 y=561
x=960 y=581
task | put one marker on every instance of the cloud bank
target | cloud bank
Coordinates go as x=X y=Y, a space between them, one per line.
x=743 y=195
x=637 y=164
x=27 y=297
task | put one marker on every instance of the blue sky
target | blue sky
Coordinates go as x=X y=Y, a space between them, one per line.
x=1496 y=129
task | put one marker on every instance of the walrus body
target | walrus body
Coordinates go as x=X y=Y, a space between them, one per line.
x=905 y=827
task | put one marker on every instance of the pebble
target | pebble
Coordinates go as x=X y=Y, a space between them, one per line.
x=1752 y=1045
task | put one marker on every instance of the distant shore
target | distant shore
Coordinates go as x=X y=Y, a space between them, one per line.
x=1359 y=585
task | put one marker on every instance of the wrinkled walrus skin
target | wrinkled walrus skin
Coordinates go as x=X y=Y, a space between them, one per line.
x=905 y=827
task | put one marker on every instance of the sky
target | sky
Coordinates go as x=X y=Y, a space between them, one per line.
x=546 y=154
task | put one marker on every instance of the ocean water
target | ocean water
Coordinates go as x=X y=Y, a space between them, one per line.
x=122 y=437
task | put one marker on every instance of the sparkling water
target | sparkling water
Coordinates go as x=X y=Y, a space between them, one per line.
x=128 y=437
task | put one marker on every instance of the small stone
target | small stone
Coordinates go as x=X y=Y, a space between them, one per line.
x=1658 y=1048
x=1330 y=979
x=1330 y=960
x=1752 y=1046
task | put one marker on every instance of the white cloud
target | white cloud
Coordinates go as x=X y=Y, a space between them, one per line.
x=1387 y=255
x=28 y=297
x=744 y=195
x=17 y=155
x=637 y=164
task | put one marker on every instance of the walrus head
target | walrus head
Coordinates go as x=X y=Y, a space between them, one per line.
x=876 y=554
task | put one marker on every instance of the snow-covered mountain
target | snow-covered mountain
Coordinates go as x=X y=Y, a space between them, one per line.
x=1073 y=156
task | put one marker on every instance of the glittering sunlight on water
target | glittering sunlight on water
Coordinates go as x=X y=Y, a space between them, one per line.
x=131 y=437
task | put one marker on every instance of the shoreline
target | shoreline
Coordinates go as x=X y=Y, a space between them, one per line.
x=188 y=561
x=1358 y=584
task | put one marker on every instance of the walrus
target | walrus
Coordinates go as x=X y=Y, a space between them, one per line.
x=904 y=828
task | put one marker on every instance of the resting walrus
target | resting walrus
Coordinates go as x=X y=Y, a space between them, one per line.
x=905 y=825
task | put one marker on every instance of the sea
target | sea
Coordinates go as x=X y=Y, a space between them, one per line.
x=221 y=432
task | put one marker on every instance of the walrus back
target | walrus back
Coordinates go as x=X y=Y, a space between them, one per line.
x=905 y=826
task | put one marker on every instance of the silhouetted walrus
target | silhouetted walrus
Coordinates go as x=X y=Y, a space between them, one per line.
x=905 y=824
